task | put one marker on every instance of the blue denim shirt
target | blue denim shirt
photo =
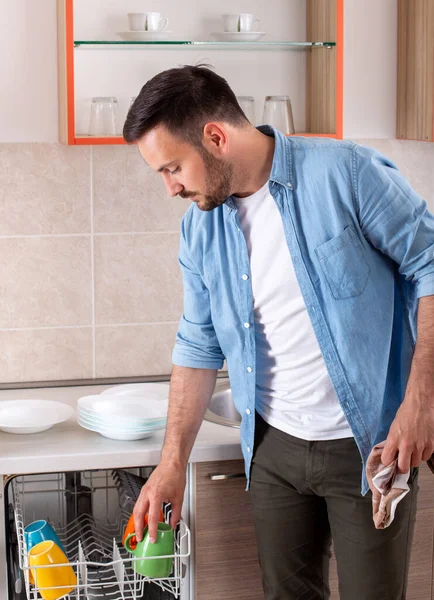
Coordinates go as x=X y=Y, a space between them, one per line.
x=362 y=244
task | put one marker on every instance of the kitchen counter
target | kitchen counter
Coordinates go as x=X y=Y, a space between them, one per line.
x=69 y=447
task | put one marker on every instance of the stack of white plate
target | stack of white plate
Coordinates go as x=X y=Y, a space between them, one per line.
x=126 y=412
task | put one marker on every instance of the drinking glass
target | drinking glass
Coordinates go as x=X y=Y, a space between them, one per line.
x=103 y=116
x=247 y=104
x=278 y=113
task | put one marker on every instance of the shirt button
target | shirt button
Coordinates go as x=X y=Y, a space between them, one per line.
x=247 y=411
x=290 y=186
x=249 y=369
x=245 y=277
x=248 y=448
x=246 y=325
x=312 y=308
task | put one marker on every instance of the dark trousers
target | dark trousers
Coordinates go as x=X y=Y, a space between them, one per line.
x=305 y=493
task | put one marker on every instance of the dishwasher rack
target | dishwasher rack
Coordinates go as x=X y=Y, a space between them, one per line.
x=92 y=543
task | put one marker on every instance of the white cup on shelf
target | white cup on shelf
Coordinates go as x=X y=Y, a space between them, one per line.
x=240 y=22
x=137 y=21
x=149 y=21
x=155 y=22
x=247 y=22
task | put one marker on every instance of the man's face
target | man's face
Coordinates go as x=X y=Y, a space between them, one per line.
x=187 y=172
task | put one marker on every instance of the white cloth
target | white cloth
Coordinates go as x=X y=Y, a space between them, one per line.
x=388 y=487
x=294 y=392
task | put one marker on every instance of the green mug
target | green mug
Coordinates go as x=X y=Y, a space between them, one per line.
x=151 y=566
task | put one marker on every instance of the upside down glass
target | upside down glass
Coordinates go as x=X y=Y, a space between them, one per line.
x=103 y=116
x=278 y=113
x=247 y=104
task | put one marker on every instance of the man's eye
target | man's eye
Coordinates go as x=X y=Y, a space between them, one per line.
x=174 y=171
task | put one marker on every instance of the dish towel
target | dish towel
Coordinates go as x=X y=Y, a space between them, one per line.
x=388 y=486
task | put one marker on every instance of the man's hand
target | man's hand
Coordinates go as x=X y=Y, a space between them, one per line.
x=411 y=434
x=166 y=484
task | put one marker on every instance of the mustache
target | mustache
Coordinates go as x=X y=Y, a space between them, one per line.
x=184 y=194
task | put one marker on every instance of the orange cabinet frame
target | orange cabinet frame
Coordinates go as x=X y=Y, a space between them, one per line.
x=324 y=80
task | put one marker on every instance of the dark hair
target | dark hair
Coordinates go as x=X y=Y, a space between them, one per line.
x=183 y=99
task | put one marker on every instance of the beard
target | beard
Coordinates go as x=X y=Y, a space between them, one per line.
x=218 y=182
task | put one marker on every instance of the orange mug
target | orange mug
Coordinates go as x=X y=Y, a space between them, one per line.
x=129 y=528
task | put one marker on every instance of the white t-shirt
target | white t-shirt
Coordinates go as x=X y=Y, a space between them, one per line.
x=294 y=392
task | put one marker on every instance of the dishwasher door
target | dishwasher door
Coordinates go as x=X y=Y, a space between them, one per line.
x=89 y=511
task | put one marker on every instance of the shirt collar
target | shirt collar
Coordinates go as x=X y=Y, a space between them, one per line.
x=281 y=169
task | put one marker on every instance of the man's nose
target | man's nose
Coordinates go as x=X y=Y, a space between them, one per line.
x=173 y=188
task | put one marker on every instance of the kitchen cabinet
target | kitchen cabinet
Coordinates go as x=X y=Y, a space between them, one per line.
x=415 y=91
x=309 y=68
x=225 y=555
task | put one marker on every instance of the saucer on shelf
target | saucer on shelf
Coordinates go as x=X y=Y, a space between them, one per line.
x=238 y=36
x=144 y=36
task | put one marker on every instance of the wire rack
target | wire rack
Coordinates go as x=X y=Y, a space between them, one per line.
x=104 y=569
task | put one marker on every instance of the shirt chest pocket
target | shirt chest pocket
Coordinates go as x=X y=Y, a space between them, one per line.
x=343 y=262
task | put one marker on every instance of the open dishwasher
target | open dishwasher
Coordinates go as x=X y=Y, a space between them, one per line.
x=89 y=511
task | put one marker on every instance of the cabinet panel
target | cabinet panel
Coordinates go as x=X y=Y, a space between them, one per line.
x=226 y=561
x=415 y=92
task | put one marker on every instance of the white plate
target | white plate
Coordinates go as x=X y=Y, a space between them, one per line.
x=116 y=435
x=124 y=407
x=101 y=423
x=115 y=422
x=144 y=36
x=32 y=416
x=238 y=36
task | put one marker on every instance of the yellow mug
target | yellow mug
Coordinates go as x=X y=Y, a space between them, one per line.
x=60 y=578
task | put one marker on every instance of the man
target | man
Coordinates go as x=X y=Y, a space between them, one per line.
x=304 y=262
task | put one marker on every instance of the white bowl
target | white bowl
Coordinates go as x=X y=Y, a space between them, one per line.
x=124 y=407
x=32 y=416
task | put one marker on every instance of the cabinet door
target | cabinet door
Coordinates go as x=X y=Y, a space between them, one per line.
x=420 y=577
x=226 y=561
x=421 y=568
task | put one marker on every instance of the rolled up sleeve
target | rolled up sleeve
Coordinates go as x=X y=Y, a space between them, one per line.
x=394 y=218
x=196 y=345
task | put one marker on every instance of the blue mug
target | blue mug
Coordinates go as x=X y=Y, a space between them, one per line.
x=41 y=531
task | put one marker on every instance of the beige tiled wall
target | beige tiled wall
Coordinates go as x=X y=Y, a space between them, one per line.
x=89 y=279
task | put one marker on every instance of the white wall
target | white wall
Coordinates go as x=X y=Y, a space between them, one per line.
x=28 y=71
x=370 y=65
x=28 y=102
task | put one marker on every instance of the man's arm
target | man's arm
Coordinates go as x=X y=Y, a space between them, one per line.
x=190 y=392
x=395 y=219
x=412 y=431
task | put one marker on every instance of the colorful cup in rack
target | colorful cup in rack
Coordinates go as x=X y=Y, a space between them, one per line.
x=154 y=559
x=130 y=530
x=52 y=574
x=40 y=531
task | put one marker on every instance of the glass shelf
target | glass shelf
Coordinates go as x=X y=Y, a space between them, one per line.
x=197 y=44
